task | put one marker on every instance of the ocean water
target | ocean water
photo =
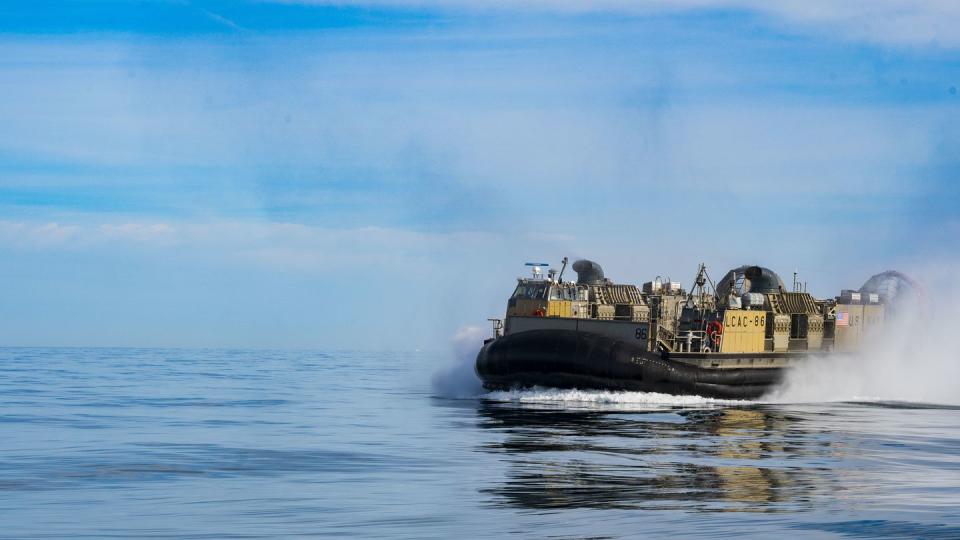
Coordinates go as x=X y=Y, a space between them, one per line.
x=121 y=443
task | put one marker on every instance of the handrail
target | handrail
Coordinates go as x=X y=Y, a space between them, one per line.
x=497 y=327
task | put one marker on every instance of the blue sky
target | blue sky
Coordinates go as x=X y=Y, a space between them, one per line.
x=374 y=174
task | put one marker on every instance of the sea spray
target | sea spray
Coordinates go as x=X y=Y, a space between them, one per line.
x=915 y=358
x=603 y=399
x=458 y=379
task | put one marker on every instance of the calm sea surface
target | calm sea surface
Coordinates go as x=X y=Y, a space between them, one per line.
x=157 y=443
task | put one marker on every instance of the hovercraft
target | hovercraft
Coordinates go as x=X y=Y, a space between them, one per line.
x=729 y=339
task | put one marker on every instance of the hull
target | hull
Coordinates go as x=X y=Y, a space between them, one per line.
x=585 y=360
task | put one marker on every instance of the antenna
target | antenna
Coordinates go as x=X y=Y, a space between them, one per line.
x=560 y=277
x=702 y=279
x=537 y=271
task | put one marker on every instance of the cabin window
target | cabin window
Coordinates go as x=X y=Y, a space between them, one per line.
x=534 y=291
x=562 y=293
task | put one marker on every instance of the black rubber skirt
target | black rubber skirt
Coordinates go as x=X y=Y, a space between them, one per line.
x=572 y=359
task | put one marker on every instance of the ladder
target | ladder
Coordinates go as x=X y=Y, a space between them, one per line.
x=665 y=338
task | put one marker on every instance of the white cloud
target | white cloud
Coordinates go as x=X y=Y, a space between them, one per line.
x=899 y=22
x=521 y=127
x=285 y=246
x=138 y=232
x=53 y=233
x=41 y=236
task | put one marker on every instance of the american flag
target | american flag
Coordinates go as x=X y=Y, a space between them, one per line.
x=843 y=319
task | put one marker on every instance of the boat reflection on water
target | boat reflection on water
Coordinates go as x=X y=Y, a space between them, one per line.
x=724 y=459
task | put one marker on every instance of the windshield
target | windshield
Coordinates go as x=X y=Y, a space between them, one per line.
x=530 y=290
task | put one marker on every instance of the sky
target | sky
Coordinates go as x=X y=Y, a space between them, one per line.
x=374 y=174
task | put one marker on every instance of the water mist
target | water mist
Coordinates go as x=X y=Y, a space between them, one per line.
x=915 y=358
x=458 y=379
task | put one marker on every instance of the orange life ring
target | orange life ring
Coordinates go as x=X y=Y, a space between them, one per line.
x=715 y=328
x=539 y=313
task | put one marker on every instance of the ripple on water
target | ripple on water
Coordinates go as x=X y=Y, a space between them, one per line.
x=261 y=444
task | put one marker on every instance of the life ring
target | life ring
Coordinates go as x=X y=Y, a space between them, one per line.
x=715 y=328
x=706 y=349
x=539 y=312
